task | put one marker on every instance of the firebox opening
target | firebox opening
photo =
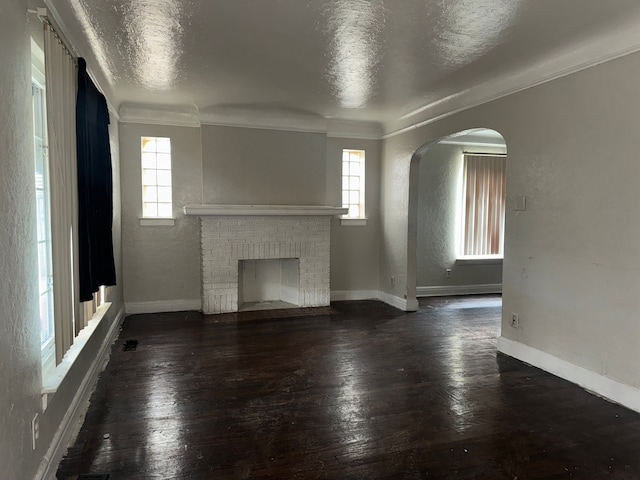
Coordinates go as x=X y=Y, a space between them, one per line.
x=268 y=284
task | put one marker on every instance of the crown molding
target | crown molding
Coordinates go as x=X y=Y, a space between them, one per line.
x=270 y=119
x=354 y=129
x=179 y=116
x=584 y=53
x=247 y=117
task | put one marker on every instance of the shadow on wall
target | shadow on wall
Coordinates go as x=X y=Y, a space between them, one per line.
x=455 y=234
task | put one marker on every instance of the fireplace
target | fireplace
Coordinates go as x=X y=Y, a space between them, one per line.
x=295 y=238
x=268 y=284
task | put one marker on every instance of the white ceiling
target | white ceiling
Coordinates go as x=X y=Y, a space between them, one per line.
x=396 y=62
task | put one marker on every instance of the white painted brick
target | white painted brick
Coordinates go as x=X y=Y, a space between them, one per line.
x=225 y=240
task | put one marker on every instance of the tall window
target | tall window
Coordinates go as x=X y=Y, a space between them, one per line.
x=156 y=177
x=353 y=182
x=43 y=218
x=483 y=206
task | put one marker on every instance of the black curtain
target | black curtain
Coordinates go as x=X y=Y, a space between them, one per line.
x=95 y=188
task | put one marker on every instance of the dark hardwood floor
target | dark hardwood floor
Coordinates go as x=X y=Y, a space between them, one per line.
x=356 y=391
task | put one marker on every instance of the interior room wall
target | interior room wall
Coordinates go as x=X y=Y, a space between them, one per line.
x=19 y=331
x=252 y=166
x=570 y=267
x=161 y=263
x=244 y=166
x=354 y=249
x=20 y=371
x=440 y=172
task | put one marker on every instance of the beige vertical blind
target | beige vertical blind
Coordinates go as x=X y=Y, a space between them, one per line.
x=484 y=205
x=60 y=98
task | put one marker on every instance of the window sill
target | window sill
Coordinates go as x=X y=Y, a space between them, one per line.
x=353 y=222
x=53 y=377
x=479 y=261
x=157 y=222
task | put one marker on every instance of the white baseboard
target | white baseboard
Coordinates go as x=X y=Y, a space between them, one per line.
x=397 y=302
x=394 y=301
x=70 y=425
x=162 y=306
x=445 y=290
x=599 y=384
x=341 y=295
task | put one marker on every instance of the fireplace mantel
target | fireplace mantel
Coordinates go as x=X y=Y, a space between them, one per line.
x=207 y=210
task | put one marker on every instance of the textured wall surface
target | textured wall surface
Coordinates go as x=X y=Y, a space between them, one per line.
x=440 y=169
x=20 y=371
x=161 y=263
x=19 y=326
x=250 y=166
x=354 y=249
x=571 y=264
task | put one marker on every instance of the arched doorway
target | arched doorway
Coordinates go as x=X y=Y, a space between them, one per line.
x=436 y=263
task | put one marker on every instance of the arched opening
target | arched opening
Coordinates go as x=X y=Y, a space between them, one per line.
x=444 y=223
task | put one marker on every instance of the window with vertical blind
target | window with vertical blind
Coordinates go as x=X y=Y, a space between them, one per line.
x=353 y=183
x=156 y=177
x=62 y=314
x=483 y=206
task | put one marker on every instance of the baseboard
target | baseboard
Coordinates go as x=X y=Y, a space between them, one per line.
x=445 y=290
x=389 y=299
x=397 y=302
x=70 y=424
x=341 y=295
x=162 y=306
x=606 y=387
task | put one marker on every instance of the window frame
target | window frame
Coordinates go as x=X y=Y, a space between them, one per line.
x=347 y=176
x=47 y=345
x=148 y=172
x=461 y=257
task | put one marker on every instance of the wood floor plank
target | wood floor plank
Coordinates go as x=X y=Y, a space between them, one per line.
x=358 y=390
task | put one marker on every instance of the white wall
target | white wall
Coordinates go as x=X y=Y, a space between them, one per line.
x=244 y=166
x=20 y=373
x=251 y=166
x=440 y=170
x=161 y=263
x=354 y=249
x=571 y=264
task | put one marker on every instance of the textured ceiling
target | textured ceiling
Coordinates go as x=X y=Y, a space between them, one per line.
x=394 y=62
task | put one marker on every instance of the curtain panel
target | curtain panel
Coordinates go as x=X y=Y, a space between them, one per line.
x=95 y=188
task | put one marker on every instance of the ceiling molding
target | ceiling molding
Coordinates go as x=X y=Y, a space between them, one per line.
x=354 y=129
x=247 y=117
x=610 y=45
x=270 y=119
x=179 y=116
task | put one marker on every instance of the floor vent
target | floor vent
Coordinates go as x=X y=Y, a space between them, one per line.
x=128 y=346
x=103 y=476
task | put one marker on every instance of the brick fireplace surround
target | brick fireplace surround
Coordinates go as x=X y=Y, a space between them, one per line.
x=230 y=233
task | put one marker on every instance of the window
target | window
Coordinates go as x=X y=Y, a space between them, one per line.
x=43 y=209
x=353 y=183
x=483 y=206
x=156 y=177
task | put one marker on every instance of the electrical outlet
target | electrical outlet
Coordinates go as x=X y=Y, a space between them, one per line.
x=447 y=273
x=515 y=320
x=35 y=430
